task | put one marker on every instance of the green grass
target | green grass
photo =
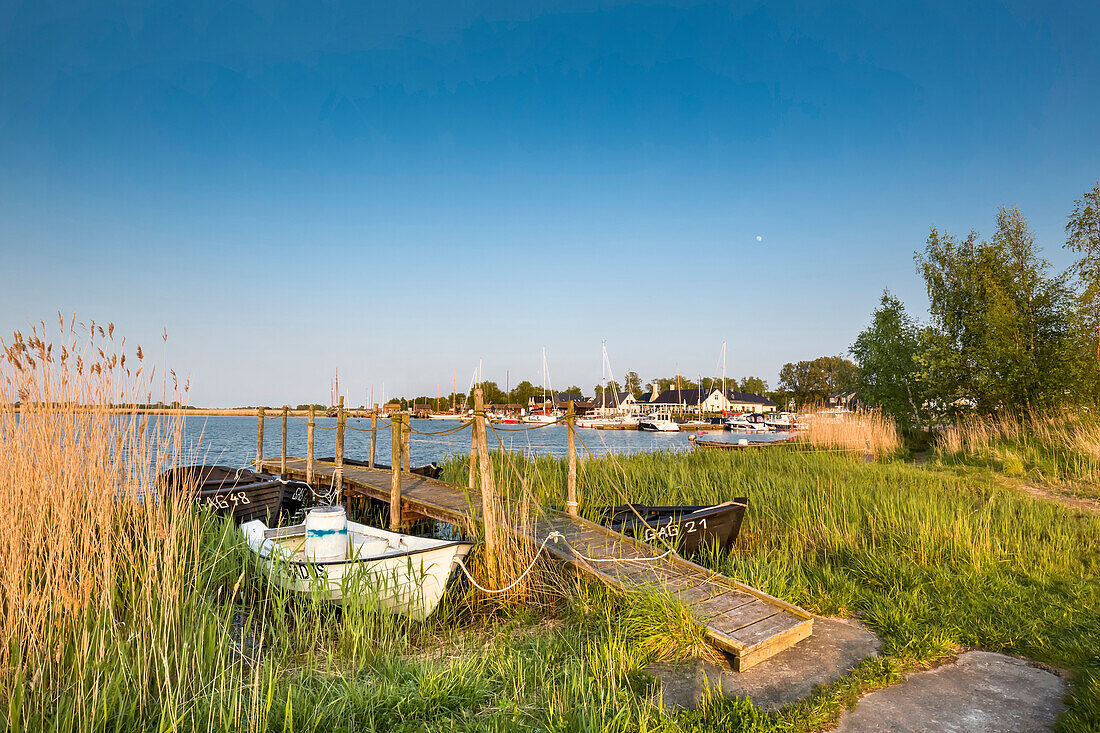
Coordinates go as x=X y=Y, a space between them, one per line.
x=929 y=559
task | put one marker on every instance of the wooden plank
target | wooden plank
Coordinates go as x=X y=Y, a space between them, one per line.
x=741 y=616
x=720 y=604
x=773 y=646
x=764 y=629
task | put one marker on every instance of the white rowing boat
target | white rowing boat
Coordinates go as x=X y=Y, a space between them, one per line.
x=336 y=558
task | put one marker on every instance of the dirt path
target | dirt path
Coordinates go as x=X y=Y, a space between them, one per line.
x=1074 y=502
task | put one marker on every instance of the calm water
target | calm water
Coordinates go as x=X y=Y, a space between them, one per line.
x=231 y=440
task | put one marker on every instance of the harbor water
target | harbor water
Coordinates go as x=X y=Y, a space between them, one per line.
x=231 y=440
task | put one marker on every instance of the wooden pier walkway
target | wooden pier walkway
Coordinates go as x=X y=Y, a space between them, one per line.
x=745 y=622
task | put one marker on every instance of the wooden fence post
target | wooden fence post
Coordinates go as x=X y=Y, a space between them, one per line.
x=309 y=445
x=282 y=461
x=395 y=472
x=338 y=472
x=373 y=433
x=259 y=437
x=473 y=453
x=406 y=441
x=488 y=491
x=571 y=483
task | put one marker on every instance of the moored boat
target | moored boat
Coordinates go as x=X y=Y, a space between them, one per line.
x=686 y=527
x=336 y=558
x=239 y=493
x=658 y=423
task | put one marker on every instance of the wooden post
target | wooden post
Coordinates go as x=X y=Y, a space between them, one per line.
x=473 y=454
x=571 y=484
x=338 y=472
x=406 y=441
x=373 y=432
x=282 y=462
x=488 y=491
x=395 y=472
x=259 y=437
x=309 y=445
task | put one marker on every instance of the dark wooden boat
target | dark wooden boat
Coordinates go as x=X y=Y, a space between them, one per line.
x=431 y=470
x=728 y=445
x=239 y=493
x=686 y=527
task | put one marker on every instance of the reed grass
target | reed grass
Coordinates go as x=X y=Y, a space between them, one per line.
x=862 y=431
x=1058 y=447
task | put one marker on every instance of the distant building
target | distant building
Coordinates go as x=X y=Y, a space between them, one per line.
x=558 y=401
x=702 y=401
x=607 y=403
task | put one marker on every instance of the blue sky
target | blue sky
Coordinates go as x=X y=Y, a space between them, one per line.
x=402 y=189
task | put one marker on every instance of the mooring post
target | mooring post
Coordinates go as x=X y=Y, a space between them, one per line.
x=488 y=491
x=309 y=445
x=282 y=461
x=473 y=453
x=373 y=433
x=571 y=483
x=406 y=441
x=395 y=472
x=259 y=437
x=338 y=472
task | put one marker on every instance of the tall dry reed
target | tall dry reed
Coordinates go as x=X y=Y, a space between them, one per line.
x=862 y=430
x=100 y=581
x=1056 y=444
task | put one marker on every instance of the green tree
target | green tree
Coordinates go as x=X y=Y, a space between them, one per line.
x=1002 y=320
x=887 y=353
x=812 y=381
x=1083 y=237
x=612 y=387
x=633 y=384
x=523 y=392
x=754 y=385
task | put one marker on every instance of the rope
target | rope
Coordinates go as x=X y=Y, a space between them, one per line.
x=552 y=536
x=557 y=537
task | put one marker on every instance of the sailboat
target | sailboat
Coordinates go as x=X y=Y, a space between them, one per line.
x=546 y=415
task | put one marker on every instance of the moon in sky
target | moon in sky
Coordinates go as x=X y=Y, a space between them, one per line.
x=759 y=238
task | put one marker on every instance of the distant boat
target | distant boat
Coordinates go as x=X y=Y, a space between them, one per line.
x=444 y=416
x=539 y=419
x=687 y=527
x=659 y=423
x=238 y=493
x=338 y=558
x=747 y=424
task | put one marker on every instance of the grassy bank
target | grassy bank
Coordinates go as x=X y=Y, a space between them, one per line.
x=123 y=613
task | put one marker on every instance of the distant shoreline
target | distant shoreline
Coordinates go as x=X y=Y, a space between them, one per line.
x=271 y=414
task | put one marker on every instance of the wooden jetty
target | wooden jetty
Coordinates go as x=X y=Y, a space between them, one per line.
x=747 y=623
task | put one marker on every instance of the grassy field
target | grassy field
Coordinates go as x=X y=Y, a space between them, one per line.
x=123 y=613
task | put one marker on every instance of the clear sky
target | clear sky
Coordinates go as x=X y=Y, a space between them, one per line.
x=400 y=189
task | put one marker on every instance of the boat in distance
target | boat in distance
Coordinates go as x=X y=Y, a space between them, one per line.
x=686 y=527
x=404 y=573
x=658 y=423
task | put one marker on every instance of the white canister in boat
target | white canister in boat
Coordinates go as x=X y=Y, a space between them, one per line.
x=326 y=534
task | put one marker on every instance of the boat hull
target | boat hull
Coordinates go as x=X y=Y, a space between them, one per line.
x=240 y=494
x=410 y=583
x=687 y=528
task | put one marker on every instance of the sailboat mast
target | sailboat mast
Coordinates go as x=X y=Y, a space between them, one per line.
x=725 y=395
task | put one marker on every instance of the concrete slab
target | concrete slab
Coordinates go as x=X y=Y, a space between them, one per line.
x=835 y=647
x=982 y=692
